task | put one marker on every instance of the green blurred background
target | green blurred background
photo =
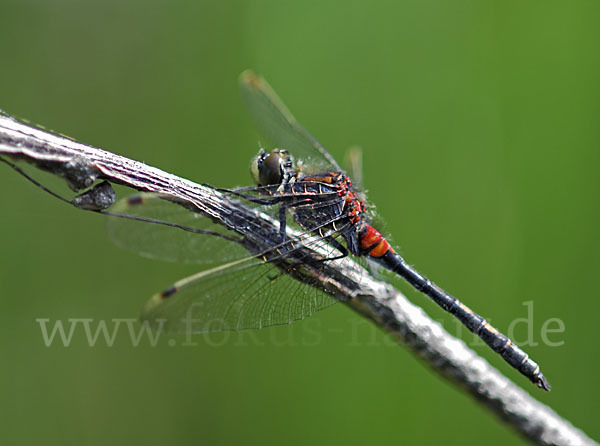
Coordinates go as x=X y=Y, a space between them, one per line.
x=479 y=125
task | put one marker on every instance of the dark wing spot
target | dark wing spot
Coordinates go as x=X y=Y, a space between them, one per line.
x=168 y=292
x=135 y=200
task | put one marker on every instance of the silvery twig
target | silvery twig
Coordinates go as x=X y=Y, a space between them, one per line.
x=82 y=166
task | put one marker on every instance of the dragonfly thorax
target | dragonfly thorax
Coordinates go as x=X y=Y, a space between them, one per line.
x=319 y=201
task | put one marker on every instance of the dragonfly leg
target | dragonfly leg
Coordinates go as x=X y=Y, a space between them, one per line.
x=337 y=245
x=282 y=221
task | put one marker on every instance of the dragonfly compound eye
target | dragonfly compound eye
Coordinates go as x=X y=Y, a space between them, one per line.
x=267 y=168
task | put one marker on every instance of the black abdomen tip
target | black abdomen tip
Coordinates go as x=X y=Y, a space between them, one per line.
x=543 y=383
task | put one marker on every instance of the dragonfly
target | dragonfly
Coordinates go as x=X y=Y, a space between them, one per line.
x=299 y=185
x=259 y=276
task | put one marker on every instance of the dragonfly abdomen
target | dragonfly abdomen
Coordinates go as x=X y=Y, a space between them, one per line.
x=500 y=343
x=373 y=244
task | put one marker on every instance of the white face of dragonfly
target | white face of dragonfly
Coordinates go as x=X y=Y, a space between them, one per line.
x=270 y=168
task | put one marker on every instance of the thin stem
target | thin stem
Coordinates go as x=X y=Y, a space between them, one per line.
x=81 y=166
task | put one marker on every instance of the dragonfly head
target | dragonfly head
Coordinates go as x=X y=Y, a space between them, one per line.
x=268 y=168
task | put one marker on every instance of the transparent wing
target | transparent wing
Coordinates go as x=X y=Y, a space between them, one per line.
x=324 y=206
x=278 y=124
x=354 y=167
x=240 y=295
x=189 y=237
x=160 y=229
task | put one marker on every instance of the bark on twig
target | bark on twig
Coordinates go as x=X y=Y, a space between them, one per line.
x=81 y=166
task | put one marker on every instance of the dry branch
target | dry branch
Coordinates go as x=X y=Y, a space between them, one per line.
x=82 y=166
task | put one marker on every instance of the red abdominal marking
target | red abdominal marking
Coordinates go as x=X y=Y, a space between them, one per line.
x=373 y=243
